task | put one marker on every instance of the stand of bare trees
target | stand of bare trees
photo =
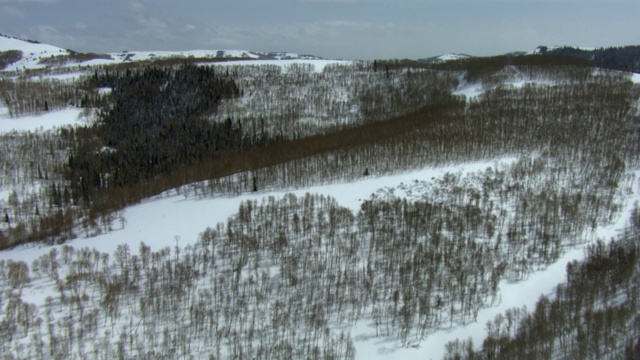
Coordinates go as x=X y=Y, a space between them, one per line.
x=282 y=275
x=594 y=315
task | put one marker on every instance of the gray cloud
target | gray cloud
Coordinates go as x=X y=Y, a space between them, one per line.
x=331 y=1
x=362 y=29
x=28 y=1
x=12 y=11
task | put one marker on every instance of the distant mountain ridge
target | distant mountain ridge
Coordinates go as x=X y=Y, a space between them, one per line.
x=444 y=58
x=623 y=57
x=126 y=56
x=17 y=54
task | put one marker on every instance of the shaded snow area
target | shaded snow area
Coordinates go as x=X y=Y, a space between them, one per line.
x=45 y=121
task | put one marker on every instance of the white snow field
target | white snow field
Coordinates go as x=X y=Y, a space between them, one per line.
x=32 y=53
x=46 y=121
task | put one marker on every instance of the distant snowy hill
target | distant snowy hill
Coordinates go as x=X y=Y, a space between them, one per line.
x=444 y=58
x=126 y=56
x=16 y=54
x=555 y=49
x=27 y=54
x=623 y=58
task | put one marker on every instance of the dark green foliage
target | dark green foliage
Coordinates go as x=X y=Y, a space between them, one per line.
x=9 y=57
x=150 y=100
x=155 y=124
x=623 y=58
x=481 y=68
x=72 y=57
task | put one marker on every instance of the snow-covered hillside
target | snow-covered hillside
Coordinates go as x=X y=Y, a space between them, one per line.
x=544 y=49
x=32 y=53
x=444 y=58
x=126 y=56
x=46 y=121
x=36 y=55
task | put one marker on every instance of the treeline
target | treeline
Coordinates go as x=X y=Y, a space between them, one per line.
x=38 y=204
x=594 y=315
x=32 y=97
x=71 y=57
x=621 y=57
x=481 y=68
x=8 y=57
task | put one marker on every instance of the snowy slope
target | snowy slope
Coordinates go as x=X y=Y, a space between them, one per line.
x=444 y=58
x=543 y=49
x=46 y=121
x=32 y=53
x=127 y=56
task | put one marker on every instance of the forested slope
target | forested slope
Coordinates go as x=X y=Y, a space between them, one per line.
x=594 y=315
x=291 y=276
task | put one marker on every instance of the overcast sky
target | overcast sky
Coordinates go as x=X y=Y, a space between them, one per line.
x=347 y=29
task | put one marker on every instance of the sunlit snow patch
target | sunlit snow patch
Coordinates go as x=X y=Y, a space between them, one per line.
x=46 y=121
x=470 y=90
